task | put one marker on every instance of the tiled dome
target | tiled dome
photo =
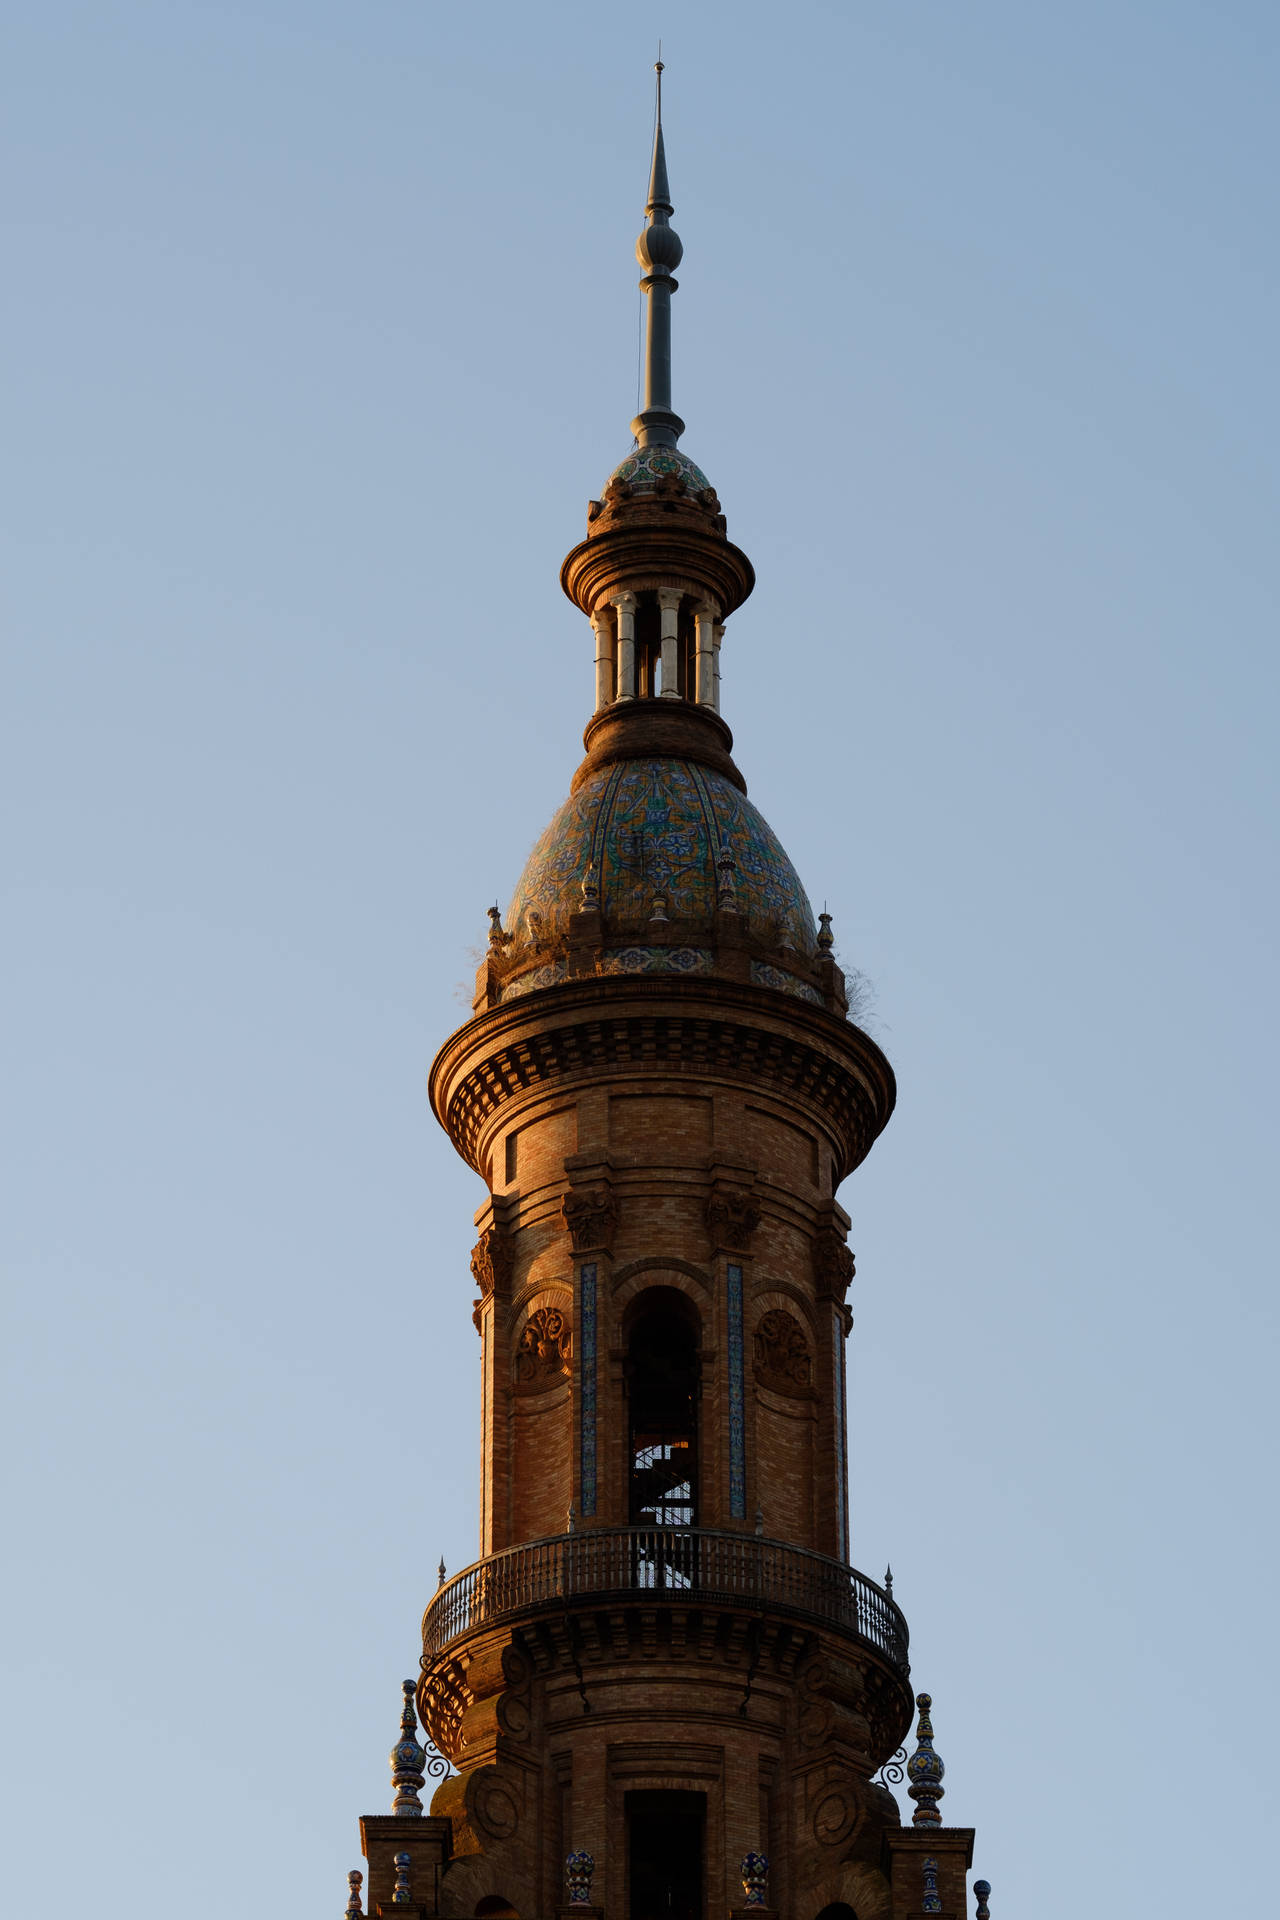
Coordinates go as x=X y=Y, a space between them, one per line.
x=657 y=827
x=645 y=466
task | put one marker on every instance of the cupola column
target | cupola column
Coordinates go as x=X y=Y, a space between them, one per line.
x=625 y=603
x=606 y=651
x=705 y=616
x=669 y=599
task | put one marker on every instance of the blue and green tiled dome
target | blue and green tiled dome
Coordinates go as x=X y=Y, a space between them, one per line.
x=645 y=466
x=656 y=828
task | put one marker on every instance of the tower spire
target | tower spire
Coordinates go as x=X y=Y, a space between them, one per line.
x=659 y=252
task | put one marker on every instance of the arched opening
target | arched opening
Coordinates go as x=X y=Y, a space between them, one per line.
x=662 y=1391
x=494 y=1907
x=837 y=1911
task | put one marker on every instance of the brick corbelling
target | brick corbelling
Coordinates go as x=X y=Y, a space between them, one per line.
x=702 y=1029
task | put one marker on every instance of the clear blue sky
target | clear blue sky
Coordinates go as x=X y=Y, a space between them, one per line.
x=321 y=332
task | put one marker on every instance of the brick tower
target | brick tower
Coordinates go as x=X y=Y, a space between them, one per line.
x=665 y=1691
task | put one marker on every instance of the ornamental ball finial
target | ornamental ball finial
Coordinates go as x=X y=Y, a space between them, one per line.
x=355 y=1880
x=408 y=1759
x=925 y=1771
x=982 y=1893
x=755 y=1878
x=403 y=1893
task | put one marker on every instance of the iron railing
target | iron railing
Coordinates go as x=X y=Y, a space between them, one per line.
x=667 y=1564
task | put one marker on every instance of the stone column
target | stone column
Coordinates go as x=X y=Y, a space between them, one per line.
x=602 y=626
x=626 y=607
x=705 y=616
x=717 y=637
x=669 y=601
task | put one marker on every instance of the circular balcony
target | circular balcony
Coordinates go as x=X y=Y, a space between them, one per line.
x=674 y=1566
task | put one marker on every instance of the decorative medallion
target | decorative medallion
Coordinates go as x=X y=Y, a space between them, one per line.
x=545 y=1349
x=782 y=1353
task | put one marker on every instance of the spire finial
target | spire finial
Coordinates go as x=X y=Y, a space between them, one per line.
x=925 y=1771
x=659 y=252
x=408 y=1759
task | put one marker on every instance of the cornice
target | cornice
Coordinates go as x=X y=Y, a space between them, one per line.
x=624 y=1028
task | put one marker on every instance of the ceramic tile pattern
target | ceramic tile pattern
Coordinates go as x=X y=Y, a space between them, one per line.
x=655 y=828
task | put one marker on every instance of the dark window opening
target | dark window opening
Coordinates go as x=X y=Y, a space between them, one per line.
x=664 y=1854
x=837 y=1911
x=648 y=647
x=494 y=1907
x=662 y=1388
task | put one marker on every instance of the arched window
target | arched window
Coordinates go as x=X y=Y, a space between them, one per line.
x=837 y=1911
x=494 y=1907
x=662 y=1390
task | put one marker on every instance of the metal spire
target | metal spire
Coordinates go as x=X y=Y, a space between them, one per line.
x=659 y=252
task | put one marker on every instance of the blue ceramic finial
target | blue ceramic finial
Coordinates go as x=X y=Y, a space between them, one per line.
x=826 y=939
x=755 y=1878
x=925 y=1771
x=578 y=1869
x=408 y=1760
x=355 y=1880
x=982 y=1893
x=403 y=1894
x=931 y=1902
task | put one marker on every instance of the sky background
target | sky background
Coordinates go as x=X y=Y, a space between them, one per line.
x=321 y=332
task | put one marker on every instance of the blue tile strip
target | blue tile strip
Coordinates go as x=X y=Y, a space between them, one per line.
x=737 y=1425
x=842 y=1440
x=587 y=1385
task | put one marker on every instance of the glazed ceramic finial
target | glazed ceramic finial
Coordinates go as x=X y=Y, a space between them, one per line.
x=355 y=1880
x=497 y=938
x=982 y=1893
x=403 y=1894
x=826 y=939
x=408 y=1759
x=925 y=1771
x=590 y=888
x=931 y=1902
x=755 y=1878
x=578 y=1869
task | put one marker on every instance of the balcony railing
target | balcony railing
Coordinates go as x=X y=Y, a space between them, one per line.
x=669 y=1564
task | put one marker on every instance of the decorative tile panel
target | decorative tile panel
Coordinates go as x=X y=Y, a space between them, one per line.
x=766 y=976
x=587 y=1382
x=842 y=1436
x=655 y=828
x=645 y=466
x=737 y=1419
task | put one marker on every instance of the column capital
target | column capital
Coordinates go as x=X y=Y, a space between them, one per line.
x=669 y=598
x=624 y=601
x=707 y=610
x=602 y=616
